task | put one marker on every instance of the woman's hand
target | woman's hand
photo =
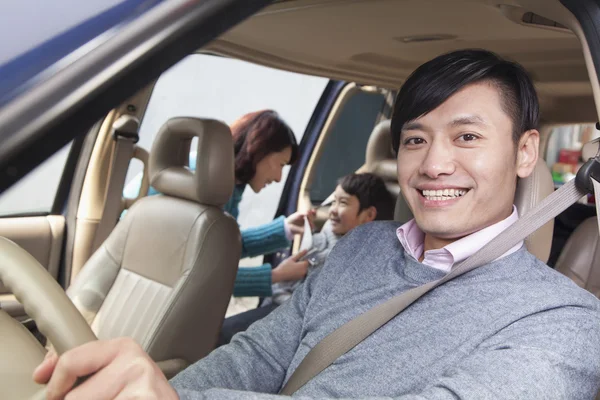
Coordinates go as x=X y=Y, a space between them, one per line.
x=295 y=221
x=291 y=269
x=120 y=368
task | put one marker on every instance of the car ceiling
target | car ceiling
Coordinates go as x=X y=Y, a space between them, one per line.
x=380 y=42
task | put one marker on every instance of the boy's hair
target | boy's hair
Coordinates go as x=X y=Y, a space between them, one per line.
x=371 y=192
x=435 y=81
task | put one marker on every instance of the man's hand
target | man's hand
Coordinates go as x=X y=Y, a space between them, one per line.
x=120 y=368
x=290 y=269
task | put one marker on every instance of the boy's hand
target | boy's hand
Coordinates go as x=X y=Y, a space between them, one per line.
x=291 y=269
x=120 y=368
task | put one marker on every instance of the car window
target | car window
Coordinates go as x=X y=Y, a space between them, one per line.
x=345 y=145
x=563 y=154
x=225 y=89
x=35 y=193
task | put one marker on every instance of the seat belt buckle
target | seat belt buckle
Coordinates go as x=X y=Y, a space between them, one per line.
x=133 y=136
x=591 y=168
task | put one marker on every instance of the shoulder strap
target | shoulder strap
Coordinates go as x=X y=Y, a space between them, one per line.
x=125 y=136
x=347 y=336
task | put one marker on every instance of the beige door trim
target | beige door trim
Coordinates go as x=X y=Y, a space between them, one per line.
x=304 y=202
x=96 y=181
x=40 y=236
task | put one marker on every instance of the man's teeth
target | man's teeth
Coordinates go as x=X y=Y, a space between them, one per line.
x=444 y=194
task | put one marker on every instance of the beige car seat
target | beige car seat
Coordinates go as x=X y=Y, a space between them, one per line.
x=165 y=274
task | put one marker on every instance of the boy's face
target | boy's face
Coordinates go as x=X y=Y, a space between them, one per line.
x=457 y=165
x=344 y=212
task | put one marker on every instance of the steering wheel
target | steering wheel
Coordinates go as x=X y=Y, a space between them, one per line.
x=54 y=313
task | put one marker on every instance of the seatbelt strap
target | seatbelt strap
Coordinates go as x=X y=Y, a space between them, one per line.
x=347 y=336
x=125 y=136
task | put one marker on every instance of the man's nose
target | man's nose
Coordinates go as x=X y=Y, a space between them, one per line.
x=439 y=160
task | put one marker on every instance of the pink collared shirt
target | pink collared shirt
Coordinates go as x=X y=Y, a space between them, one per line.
x=411 y=237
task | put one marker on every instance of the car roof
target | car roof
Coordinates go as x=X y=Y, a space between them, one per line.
x=380 y=42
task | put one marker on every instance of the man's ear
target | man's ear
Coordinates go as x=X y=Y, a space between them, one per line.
x=369 y=214
x=527 y=153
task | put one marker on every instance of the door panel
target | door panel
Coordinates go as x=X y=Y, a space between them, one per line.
x=42 y=237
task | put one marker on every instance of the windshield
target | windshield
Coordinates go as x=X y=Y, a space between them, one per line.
x=49 y=31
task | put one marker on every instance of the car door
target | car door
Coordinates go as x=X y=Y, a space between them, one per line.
x=31 y=215
x=58 y=88
x=333 y=145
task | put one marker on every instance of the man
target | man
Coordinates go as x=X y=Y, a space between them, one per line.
x=464 y=125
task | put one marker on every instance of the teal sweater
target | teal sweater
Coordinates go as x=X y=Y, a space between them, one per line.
x=256 y=241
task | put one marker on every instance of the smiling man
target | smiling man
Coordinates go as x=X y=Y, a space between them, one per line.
x=464 y=125
x=465 y=129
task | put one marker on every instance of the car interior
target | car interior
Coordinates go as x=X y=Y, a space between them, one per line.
x=164 y=273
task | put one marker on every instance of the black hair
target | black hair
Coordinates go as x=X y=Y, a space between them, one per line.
x=435 y=81
x=371 y=192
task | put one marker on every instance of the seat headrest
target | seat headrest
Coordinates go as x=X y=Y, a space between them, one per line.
x=380 y=159
x=530 y=191
x=213 y=180
x=590 y=149
x=379 y=147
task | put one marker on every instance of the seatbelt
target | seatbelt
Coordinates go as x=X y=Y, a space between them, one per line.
x=347 y=336
x=125 y=135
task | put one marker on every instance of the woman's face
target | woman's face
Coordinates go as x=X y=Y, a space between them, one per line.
x=269 y=169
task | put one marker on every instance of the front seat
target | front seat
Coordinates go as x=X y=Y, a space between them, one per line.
x=165 y=274
x=381 y=161
x=580 y=258
x=380 y=158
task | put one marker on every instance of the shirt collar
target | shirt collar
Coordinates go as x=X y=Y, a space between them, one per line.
x=411 y=237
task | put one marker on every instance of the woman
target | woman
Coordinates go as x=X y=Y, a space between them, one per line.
x=263 y=145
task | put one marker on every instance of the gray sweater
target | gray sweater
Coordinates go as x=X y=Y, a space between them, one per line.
x=323 y=242
x=512 y=329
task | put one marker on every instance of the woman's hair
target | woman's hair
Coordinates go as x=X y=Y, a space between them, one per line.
x=255 y=136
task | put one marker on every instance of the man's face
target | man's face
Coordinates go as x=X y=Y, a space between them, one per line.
x=344 y=212
x=458 y=164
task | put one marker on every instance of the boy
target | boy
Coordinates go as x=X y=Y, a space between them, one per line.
x=358 y=199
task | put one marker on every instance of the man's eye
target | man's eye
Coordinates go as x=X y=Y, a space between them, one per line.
x=468 y=137
x=414 y=141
